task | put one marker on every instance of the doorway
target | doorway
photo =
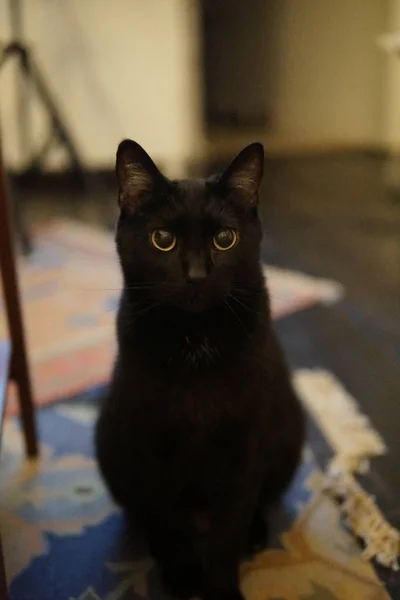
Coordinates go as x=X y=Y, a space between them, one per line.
x=235 y=64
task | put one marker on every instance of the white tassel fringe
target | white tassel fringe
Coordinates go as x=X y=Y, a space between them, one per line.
x=355 y=441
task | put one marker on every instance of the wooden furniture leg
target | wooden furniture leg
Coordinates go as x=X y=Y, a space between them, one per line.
x=19 y=369
x=4 y=371
x=3 y=580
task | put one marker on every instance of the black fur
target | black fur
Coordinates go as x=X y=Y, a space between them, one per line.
x=201 y=428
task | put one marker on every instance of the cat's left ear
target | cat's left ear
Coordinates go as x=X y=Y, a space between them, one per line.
x=245 y=172
x=137 y=175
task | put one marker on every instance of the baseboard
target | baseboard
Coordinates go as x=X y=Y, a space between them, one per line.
x=218 y=149
x=223 y=141
x=50 y=181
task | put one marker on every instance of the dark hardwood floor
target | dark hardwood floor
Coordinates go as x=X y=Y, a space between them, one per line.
x=332 y=217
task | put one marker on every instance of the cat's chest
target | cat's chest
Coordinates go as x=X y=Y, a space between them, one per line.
x=194 y=405
x=178 y=420
x=190 y=403
x=197 y=351
x=196 y=432
x=197 y=394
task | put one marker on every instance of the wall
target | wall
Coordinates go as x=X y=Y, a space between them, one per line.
x=392 y=89
x=120 y=68
x=131 y=68
x=326 y=76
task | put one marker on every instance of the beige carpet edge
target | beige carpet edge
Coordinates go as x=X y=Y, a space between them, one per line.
x=355 y=443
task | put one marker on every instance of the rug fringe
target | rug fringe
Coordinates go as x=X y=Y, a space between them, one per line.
x=363 y=517
x=348 y=431
x=355 y=442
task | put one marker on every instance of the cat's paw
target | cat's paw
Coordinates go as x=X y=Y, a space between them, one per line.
x=258 y=534
x=182 y=581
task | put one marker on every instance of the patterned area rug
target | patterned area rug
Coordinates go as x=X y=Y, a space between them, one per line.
x=70 y=289
x=65 y=540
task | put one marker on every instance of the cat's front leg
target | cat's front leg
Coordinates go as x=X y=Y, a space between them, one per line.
x=228 y=538
x=174 y=550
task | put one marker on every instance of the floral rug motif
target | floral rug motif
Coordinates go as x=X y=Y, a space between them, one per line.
x=65 y=540
x=70 y=290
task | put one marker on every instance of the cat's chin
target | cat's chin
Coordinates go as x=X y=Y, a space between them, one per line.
x=194 y=307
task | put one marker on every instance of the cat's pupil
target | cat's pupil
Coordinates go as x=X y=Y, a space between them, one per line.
x=225 y=238
x=163 y=238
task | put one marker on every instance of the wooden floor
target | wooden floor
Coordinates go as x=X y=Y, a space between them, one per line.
x=332 y=217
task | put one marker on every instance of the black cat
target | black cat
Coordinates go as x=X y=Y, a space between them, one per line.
x=201 y=429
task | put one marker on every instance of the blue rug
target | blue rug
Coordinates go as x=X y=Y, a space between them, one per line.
x=64 y=539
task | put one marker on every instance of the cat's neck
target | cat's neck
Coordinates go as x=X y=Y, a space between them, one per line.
x=169 y=336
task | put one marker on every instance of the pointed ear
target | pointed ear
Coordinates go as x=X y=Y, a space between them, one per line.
x=137 y=175
x=245 y=172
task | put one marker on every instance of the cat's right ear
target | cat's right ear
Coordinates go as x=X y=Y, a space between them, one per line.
x=137 y=175
x=245 y=172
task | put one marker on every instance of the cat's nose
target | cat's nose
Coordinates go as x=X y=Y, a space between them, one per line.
x=196 y=272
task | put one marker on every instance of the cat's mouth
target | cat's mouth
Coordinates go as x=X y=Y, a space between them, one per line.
x=196 y=300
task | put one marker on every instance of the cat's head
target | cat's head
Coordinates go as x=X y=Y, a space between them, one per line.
x=188 y=243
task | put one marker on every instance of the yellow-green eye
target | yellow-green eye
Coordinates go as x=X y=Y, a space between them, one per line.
x=225 y=239
x=163 y=240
